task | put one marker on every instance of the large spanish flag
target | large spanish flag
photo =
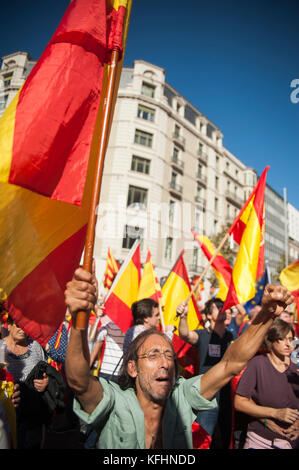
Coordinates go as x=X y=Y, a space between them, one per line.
x=149 y=284
x=124 y=290
x=248 y=231
x=221 y=267
x=49 y=142
x=112 y=268
x=175 y=290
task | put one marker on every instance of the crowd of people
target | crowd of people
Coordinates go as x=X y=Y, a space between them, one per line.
x=103 y=388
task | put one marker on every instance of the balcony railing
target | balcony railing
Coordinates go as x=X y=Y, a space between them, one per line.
x=202 y=178
x=235 y=199
x=175 y=187
x=179 y=138
x=177 y=162
x=202 y=155
x=200 y=200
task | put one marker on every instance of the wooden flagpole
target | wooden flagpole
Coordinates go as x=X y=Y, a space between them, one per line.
x=81 y=318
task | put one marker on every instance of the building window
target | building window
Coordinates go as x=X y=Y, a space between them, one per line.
x=177 y=130
x=130 y=235
x=199 y=170
x=216 y=204
x=7 y=79
x=3 y=101
x=173 y=180
x=143 y=138
x=168 y=248
x=210 y=130
x=198 y=222
x=216 y=183
x=215 y=226
x=146 y=113
x=171 y=210
x=175 y=154
x=137 y=196
x=148 y=90
x=195 y=256
x=142 y=165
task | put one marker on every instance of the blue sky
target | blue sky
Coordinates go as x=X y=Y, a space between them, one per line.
x=234 y=60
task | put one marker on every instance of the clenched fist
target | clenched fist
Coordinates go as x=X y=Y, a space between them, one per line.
x=275 y=299
x=81 y=292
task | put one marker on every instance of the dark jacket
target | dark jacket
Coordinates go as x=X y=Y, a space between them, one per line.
x=37 y=407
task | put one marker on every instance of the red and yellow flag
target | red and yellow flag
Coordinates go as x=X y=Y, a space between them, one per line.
x=221 y=267
x=175 y=290
x=112 y=269
x=289 y=278
x=49 y=142
x=124 y=290
x=248 y=231
x=149 y=284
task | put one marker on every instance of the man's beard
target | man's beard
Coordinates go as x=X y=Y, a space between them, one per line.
x=148 y=390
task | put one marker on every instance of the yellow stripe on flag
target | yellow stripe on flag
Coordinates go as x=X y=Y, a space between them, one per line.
x=289 y=276
x=127 y=287
x=7 y=127
x=245 y=268
x=174 y=291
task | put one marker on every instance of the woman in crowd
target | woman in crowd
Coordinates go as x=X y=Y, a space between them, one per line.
x=268 y=392
x=21 y=355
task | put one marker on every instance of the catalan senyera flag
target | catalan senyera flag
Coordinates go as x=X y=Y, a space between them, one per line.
x=175 y=290
x=49 y=143
x=112 y=268
x=149 y=284
x=289 y=278
x=221 y=267
x=248 y=231
x=124 y=290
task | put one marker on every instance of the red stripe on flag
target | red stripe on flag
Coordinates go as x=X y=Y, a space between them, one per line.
x=41 y=293
x=58 y=104
x=119 y=312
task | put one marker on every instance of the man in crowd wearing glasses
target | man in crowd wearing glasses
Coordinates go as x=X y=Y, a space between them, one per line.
x=151 y=407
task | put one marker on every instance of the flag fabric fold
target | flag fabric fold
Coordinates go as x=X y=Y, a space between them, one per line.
x=149 y=284
x=55 y=112
x=175 y=290
x=248 y=231
x=124 y=290
x=221 y=267
x=289 y=276
x=49 y=142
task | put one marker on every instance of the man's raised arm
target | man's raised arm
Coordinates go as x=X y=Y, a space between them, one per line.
x=81 y=294
x=236 y=357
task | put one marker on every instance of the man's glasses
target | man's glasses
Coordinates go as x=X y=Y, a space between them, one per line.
x=153 y=356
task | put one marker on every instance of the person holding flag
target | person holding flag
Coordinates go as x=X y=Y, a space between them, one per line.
x=146 y=315
x=212 y=343
x=151 y=406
